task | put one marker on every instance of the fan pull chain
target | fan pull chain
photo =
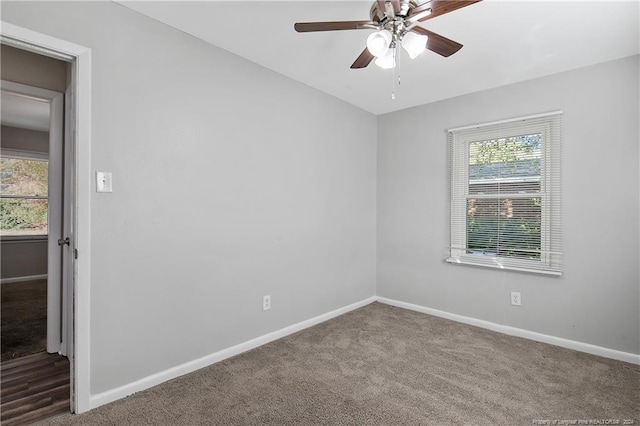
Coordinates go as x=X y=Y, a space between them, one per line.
x=393 y=86
x=393 y=76
x=397 y=58
x=396 y=61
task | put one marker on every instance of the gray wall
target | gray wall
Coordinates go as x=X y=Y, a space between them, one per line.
x=23 y=258
x=596 y=301
x=230 y=182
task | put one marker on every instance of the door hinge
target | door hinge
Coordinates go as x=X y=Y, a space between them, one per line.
x=75 y=253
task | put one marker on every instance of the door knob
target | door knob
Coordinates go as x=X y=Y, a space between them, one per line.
x=62 y=242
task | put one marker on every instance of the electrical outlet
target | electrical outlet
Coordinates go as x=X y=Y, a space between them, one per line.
x=266 y=302
x=516 y=300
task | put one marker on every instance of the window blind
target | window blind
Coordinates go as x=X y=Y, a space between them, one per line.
x=505 y=191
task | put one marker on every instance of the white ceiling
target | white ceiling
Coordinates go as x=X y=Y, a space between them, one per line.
x=504 y=42
x=24 y=112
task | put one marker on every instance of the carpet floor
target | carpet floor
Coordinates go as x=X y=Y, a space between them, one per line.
x=24 y=318
x=381 y=365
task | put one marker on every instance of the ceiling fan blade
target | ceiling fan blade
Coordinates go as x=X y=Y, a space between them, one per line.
x=363 y=60
x=437 y=43
x=440 y=7
x=305 y=27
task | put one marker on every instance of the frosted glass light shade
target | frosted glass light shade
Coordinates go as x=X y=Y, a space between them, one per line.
x=414 y=44
x=387 y=61
x=378 y=43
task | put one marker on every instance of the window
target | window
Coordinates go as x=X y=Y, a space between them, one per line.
x=505 y=194
x=23 y=194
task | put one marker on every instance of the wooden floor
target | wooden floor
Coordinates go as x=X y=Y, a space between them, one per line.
x=24 y=318
x=33 y=388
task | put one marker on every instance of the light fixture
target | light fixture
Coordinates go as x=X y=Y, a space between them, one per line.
x=382 y=44
x=378 y=43
x=387 y=61
x=414 y=44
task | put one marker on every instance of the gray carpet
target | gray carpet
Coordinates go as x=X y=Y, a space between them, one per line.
x=381 y=365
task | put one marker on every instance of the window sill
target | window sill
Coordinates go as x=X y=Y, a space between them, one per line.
x=24 y=238
x=497 y=263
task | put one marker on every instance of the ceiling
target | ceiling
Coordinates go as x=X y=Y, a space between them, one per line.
x=24 y=112
x=504 y=42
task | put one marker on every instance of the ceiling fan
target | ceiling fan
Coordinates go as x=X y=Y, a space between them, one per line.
x=396 y=23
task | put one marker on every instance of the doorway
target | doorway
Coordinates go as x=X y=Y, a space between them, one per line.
x=36 y=306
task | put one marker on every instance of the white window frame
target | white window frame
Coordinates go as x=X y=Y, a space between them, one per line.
x=29 y=156
x=549 y=127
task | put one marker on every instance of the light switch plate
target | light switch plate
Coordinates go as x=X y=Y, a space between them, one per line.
x=104 y=182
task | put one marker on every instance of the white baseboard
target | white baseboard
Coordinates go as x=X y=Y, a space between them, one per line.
x=171 y=373
x=21 y=279
x=518 y=332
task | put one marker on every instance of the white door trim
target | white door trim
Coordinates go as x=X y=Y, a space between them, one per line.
x=54 y=258
x=67 y=226
x=81 y=71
